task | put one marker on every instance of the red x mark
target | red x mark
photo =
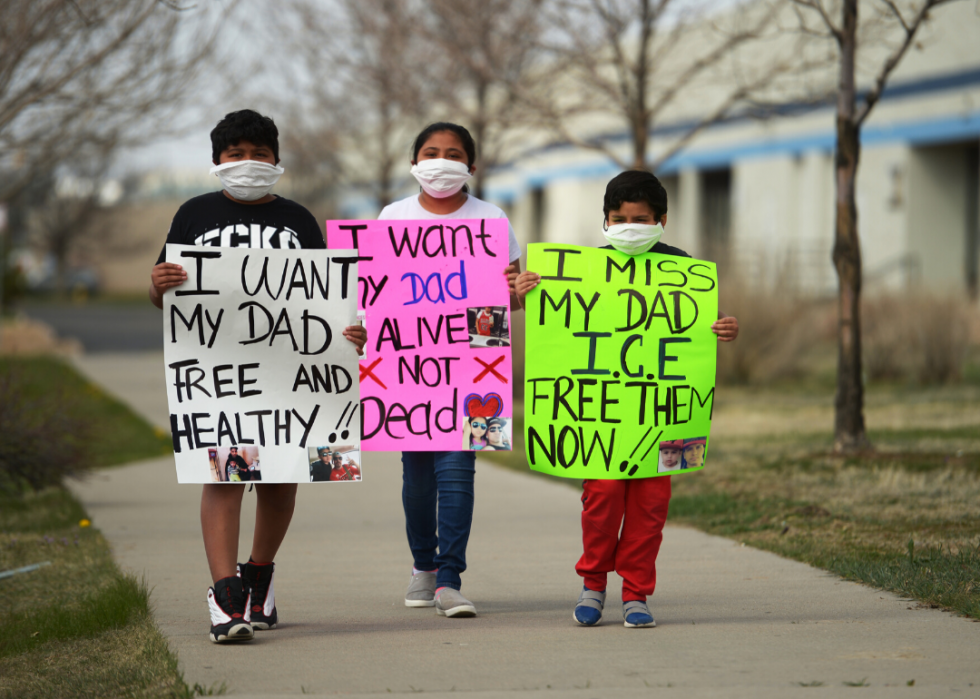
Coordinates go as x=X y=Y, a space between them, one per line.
x=489 y=369
x=368 y=372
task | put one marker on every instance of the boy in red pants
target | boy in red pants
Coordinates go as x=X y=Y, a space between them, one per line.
x=623 y=520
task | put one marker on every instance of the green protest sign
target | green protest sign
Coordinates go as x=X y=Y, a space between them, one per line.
x=620 y=362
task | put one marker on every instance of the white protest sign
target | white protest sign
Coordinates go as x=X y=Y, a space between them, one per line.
x=260 y=379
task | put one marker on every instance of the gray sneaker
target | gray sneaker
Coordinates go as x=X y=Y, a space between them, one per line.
x=636 y=615
x=451 y=603
x=421 y=591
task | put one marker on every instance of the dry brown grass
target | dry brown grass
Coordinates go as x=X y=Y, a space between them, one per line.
x=904 y=518
x=26 y=337
x=777 y=331
x=916 y=337
x=771 y=455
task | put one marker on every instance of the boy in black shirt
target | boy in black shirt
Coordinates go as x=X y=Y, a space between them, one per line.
x=245 y=152
x=321 y=468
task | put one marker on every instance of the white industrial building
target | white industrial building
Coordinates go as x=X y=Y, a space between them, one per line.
x=760 y=192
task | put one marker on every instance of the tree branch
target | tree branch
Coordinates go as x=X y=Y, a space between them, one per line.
x=817 y=6
x=911 y=28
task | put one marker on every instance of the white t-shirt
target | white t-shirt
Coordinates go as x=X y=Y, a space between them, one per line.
x=409 y=209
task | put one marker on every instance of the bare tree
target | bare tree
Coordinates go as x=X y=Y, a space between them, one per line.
x=817 y=17
x=311 y=146
x=486 y=48
x=61 y=222
x=95 y=72
x=365 y=86
x=616 y=63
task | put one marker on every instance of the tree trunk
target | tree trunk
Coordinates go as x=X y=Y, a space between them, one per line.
x=849 y=434
x=385 y=161
x=640 y=117
x=640 y=143
x=480 y=135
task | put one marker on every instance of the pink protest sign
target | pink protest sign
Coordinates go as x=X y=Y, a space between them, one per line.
x=436 y=375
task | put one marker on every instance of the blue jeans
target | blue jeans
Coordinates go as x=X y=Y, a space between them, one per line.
x=437 y=493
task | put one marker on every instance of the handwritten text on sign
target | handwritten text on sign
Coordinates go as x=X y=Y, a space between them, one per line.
x=255 y=355
x=436 y=307
x=620 y=367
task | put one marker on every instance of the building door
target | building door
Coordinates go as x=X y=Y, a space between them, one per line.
x=944 y=186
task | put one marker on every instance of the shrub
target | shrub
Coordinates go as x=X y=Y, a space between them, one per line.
x=42 y=438
x=915 y=337
x=776 y=332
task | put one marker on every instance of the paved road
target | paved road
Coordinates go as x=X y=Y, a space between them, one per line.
x=732 y=621
x=103 y=327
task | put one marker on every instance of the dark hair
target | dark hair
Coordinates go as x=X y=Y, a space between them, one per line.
x=244 y=125
x=635 y=186
x=464 y=136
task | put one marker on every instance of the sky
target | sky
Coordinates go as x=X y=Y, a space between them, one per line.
x=237 y=78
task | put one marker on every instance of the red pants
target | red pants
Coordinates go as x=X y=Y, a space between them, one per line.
x=640 y=508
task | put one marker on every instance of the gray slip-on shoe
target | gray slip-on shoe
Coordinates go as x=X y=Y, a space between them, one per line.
x=636 y=615
x=588 y=609
x=421 y=591
x=450 y=602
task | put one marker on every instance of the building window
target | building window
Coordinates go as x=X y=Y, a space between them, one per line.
x=537 y=215
x=716 y=214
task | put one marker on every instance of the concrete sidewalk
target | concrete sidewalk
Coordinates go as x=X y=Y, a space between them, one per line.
x=732 y=621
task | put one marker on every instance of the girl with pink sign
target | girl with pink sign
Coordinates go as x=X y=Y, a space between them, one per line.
x=437 y=491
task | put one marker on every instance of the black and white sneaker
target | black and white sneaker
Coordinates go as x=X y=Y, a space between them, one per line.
x=228 y=603
x=262 y=596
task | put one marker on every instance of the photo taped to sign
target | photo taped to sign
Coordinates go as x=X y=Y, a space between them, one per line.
x=489 y=326
x=334 y=464
x=235 y=464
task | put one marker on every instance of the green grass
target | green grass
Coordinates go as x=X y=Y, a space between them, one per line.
x=53 y=509
x=114 y=606
x=940 y=576
x=118 y=435
x=77 y=627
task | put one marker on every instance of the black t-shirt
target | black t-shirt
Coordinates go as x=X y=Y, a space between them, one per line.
x=214 y=219
x=661 y=248
x=320 y=471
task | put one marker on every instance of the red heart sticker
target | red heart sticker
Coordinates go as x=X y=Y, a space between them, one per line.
x=490 y=405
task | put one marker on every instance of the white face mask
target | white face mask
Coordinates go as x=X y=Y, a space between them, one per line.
x=441 y=178
x=247 y=180
x=633 y=238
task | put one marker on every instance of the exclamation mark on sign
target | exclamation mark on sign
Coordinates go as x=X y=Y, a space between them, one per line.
x=346 y=433
x=626 y=464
